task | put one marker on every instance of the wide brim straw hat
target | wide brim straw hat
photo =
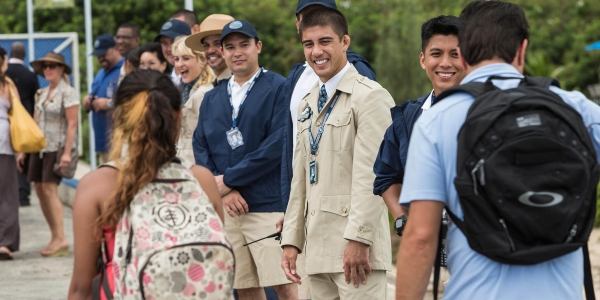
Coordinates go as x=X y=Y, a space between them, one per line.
x=212 y=25
x=38 y=64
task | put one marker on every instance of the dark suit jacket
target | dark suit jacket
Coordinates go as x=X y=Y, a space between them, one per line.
x=26 y=82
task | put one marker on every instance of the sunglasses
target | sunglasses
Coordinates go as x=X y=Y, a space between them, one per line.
x=50 y=65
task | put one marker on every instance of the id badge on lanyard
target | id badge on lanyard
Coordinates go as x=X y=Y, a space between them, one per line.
x=314 y=142
x=234 y=135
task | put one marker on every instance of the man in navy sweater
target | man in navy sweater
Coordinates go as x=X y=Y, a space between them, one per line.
x=239 y=138
x=439 y=59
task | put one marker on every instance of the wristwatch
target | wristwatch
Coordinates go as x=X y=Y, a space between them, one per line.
x=399 y=224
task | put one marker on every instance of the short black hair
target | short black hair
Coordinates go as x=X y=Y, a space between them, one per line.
x=157 y=50
x=135 y=30
x=444 y=25
x=188 y=15
x=17 y=50
x=323 y=17
x=491 y=29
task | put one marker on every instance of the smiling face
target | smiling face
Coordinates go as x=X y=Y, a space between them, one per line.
x=325 y=51
x=149 y=61
x=53 y=71
x=189 y=67
x=440 y=62
x=212 y=50
x=241 y=54
x=166 y=43
x=125 y=40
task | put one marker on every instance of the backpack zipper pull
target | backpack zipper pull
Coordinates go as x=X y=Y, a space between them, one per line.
x=512 y=245
x=482 y=172
x=474 y=175
x=572 y=234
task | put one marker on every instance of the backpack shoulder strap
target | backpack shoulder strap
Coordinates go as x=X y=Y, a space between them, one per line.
x=473 y=88
x=588 y=282
x=542 y=81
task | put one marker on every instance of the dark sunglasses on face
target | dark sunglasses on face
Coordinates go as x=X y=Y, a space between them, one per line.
x=50 y=65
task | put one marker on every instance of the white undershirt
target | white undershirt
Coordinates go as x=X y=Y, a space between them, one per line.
x=176 y=79
x=427 y=104
x=239 y=91
x=332 y=84
x=307 y=80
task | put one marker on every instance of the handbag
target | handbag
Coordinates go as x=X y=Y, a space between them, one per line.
x=25 y=134
x=70 y=170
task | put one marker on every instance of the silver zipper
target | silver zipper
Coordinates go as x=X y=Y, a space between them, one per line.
x=572 y=234
x=512 y=245
x=478 y=166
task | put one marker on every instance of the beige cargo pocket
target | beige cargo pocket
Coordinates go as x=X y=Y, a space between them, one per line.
x=342 y=134
x=334 y=217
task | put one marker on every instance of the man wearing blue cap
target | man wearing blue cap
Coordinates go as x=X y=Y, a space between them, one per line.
x=299 y=82
x=238 y=138
x=103 y=89
x=169 y=31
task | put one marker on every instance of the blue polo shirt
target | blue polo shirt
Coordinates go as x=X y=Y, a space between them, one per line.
x=104 y=86
x=431 y=169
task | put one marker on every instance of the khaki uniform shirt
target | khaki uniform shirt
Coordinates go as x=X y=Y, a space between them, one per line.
x=189 y=121
x=341 y=206
x=226 y=74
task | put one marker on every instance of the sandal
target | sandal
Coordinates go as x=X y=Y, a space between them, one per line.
x=62 y=251
x=5 y=254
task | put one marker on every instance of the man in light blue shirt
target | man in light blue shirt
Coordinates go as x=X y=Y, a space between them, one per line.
x=493 y=41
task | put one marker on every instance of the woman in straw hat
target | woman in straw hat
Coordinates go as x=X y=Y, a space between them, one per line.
x=56 y=112
x=9 y=190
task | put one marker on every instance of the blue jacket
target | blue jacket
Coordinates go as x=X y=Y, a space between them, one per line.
x=104 y=86
x=362 y=66
x=391 y=159
x=253 y=169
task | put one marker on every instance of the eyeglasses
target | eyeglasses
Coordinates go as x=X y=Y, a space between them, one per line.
x=50 y=66
x=123 y=37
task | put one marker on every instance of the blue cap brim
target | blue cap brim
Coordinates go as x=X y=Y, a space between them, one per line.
x=98 y=52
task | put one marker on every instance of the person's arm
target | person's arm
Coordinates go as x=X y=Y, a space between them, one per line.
x=372 y=119
x=93 y=190
x=260 y=162
x=391 y=196
x=207 y=182
x=293 y=235
x=201 y=152
x=418 y=249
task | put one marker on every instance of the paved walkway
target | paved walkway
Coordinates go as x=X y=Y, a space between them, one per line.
x=29 y=275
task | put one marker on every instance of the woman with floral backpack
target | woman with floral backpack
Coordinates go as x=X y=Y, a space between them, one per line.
x=146 y=205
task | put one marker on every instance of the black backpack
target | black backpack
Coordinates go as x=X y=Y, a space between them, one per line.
x=526 y=173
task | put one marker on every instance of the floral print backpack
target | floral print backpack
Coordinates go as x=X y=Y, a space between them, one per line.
x=170 y=243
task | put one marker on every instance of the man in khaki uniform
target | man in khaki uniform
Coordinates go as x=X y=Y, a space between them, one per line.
x=331 y=207
x=208 y=40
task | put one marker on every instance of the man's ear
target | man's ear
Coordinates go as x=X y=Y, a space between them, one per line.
x=259 y=46
x=462 y=60
x=346 y=41
x=521 y=52
x=422 y=60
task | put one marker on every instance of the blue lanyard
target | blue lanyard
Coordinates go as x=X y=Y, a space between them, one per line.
x=314 y=142
x=234 y=114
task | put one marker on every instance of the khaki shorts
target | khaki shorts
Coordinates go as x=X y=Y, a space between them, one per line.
x=334 y=286
x=259 y=264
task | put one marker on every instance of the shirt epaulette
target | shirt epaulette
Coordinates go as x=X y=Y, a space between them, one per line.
x=368 y=82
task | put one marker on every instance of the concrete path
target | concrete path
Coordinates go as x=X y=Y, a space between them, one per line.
x=29 y=275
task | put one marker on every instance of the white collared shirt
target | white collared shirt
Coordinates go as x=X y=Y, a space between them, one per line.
x=307 y=80
x=14 y=60
x=239 y=91
x=331 y=84
x=427 y=103
x=175 y=78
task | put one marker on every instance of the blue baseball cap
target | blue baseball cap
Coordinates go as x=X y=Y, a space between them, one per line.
x=239 y=26
x=173 y=29
x=302 y=4
x=102 y=43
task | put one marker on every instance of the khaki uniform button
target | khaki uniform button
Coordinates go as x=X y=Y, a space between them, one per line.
x=318 y=124
x=312 y=213
x=361 y=230
x=361 y=78
x=337 y=122
x=344 y=210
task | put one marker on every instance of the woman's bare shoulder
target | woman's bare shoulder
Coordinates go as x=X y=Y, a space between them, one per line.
x=97 y=185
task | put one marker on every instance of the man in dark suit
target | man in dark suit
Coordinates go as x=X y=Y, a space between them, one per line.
x=27 y=85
